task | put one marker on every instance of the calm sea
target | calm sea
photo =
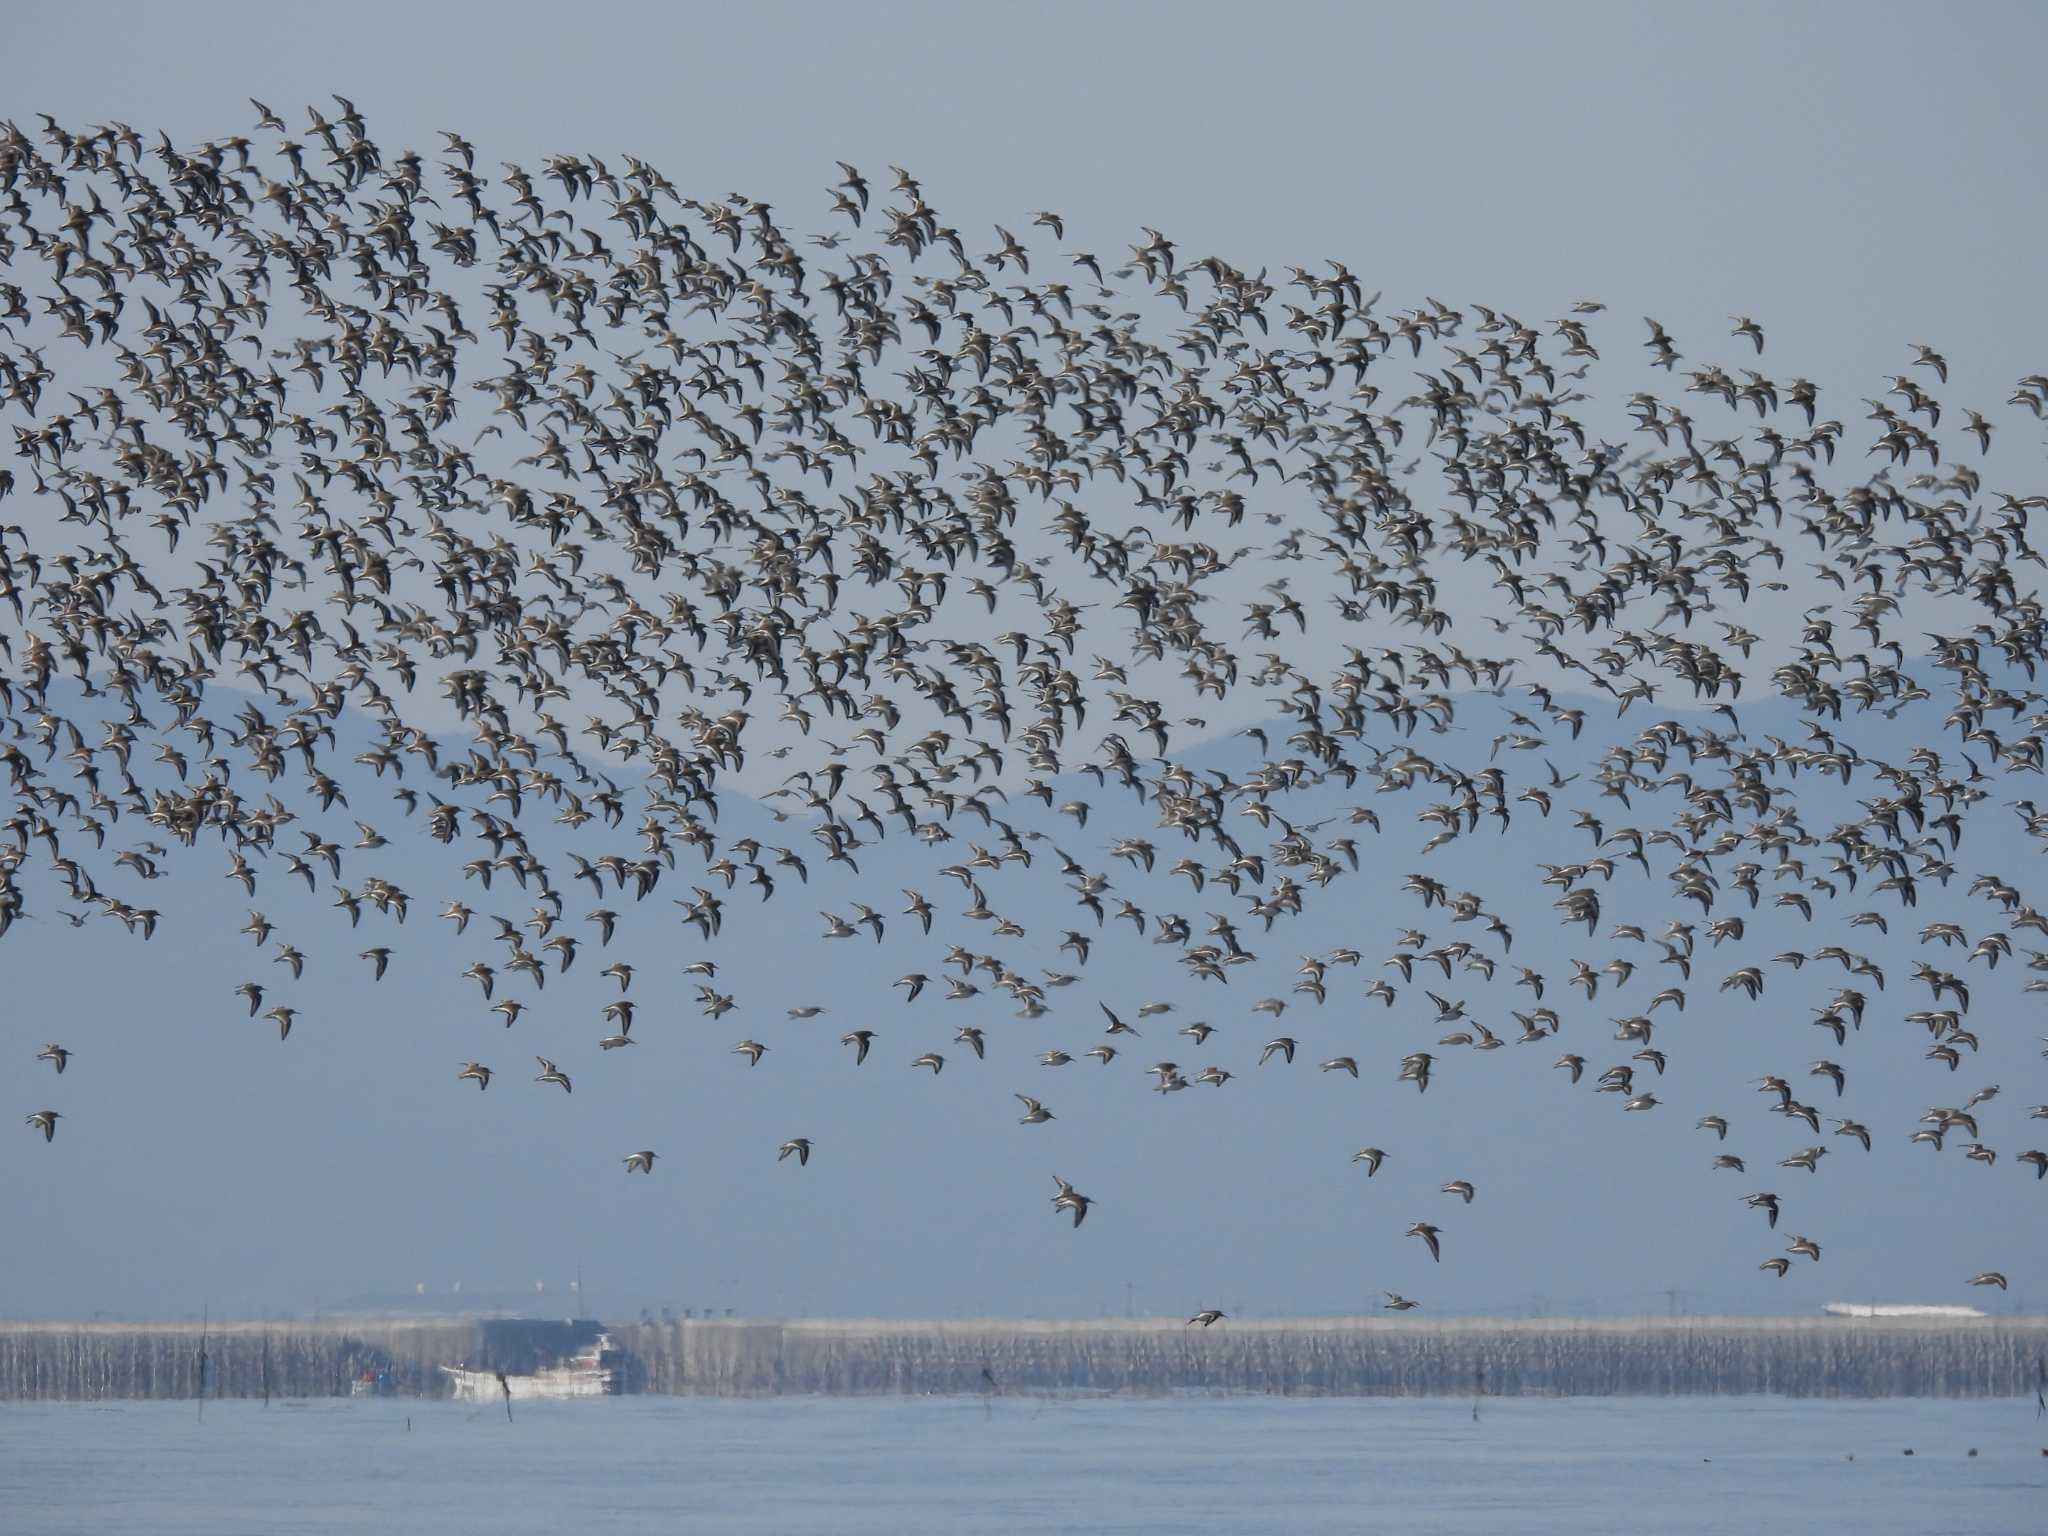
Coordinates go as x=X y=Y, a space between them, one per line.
x=888 y=1465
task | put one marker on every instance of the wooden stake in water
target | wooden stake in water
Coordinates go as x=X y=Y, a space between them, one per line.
x=205 y=1319
x=505 y=1387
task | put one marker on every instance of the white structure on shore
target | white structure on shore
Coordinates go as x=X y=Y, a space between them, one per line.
x=1896 y=1309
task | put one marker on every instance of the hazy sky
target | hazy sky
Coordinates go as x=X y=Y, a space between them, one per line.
x=1855 y=177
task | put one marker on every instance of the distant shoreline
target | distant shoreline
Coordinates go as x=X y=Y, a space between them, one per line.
x=1386 y=1355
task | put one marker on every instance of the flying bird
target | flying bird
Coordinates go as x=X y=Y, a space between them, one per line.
x=549 y=1073
x=1070 y=1200
x=563 y=525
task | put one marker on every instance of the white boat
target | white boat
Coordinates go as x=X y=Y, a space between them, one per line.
x=591 y=1372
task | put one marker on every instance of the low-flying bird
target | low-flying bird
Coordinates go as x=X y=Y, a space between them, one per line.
x=550 y=1073
x=1071 y=1200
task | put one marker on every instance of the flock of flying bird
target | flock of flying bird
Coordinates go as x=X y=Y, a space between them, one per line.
x=310 y=438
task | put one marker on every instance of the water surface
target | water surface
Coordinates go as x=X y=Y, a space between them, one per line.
x=885 y=1465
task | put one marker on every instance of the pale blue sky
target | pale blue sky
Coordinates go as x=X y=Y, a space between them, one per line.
x=1856 y=177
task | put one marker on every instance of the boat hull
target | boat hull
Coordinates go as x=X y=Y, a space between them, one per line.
x=487 y=1386
x=592 y=1373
